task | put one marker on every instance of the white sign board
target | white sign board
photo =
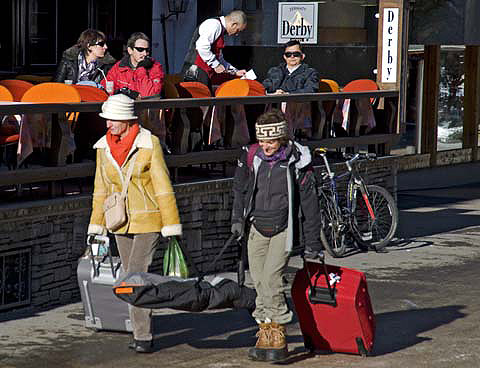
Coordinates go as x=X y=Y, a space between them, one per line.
x=390 y=45
x=298 y=21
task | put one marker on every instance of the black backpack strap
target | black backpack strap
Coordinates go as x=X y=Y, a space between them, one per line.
x=211 y=267
x=242 y=262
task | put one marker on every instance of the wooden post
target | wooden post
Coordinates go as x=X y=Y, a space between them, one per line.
x=431 y=82
x=471 y=102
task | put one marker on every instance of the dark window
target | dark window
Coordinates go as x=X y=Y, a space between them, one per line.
x=15 y=275
x=251 y=6
x=42 y=32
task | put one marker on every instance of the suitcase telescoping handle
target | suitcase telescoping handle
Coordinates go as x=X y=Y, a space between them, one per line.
x=101 y=244
x=319 y=295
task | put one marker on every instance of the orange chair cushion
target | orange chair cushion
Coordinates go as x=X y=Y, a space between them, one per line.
x=90 y=93
x=17 y=87
x=193 y=90
x=52 y=92
x=255 y=88
x=360 y=85
x=233 y=88
x=5 y=94
x=4 y=139
x=328 y=85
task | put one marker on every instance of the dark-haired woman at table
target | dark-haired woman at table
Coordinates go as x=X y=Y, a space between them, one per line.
x=87 y=60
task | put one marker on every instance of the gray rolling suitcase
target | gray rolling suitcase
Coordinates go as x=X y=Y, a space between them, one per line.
x=96 y=274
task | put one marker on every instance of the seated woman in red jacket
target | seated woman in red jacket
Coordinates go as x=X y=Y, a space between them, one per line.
x=137 y=70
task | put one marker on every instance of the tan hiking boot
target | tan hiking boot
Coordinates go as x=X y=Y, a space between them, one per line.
x=263 y=343
x=278 y=343
x=263 y=334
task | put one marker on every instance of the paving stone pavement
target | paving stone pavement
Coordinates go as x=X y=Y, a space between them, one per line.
x=424 y=292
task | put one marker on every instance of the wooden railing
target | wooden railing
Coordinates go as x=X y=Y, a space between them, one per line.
x=382 y=142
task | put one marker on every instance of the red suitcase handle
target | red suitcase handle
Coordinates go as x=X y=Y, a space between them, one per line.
x=320 y=295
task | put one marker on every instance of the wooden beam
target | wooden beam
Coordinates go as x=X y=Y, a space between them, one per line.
x=431 y=82
x=154 y=103
x=82 y=170
x=471 y=100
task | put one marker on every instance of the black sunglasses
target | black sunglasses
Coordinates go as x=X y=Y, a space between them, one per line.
x=294 y=54
x=142 y=49
x=100 y=43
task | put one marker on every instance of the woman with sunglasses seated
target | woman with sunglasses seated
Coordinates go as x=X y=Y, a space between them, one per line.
x=294 y=76
x=87 y=60
x=137 y=71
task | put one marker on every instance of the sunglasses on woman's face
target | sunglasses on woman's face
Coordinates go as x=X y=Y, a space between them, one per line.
x=142 y=49
x=100 y=43
x=294 y=54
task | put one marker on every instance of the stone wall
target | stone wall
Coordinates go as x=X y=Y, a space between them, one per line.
x=55 y=231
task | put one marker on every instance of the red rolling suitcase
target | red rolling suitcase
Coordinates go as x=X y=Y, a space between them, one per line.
x=337 y=317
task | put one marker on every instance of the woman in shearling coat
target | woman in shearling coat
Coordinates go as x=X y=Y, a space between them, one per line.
x=150 y=203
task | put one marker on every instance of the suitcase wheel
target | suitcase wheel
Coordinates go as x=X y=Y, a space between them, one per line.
x=361 y=347
x=307 y=342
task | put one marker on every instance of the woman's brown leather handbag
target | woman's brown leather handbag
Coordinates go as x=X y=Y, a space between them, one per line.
x=114 y=207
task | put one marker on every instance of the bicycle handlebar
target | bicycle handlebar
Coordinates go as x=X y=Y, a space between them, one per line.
x=350 y=157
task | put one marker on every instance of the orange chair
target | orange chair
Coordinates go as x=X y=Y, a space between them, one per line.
x=364 y=109
x=51 y=92
x=256 y=88
x=236 y=132
x=90 y=93
x=361 y=85
x=8 y=134
x=17 y=87
x=88 y=127
x=328 y=85
x=193 y=90
x=186 y=127
x=5 y=94
x=233 y=88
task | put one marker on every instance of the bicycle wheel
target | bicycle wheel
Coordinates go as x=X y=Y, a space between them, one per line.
x=374 y=232
x=332 y=232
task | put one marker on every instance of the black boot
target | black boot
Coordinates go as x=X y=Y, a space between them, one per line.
x=144 y=346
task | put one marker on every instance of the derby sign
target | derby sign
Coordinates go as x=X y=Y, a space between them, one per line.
x=390 y=45
x=297 y=21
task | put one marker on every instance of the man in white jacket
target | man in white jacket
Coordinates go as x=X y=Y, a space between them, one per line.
x=205 y=59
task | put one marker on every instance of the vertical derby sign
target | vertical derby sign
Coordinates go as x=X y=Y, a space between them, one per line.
x=390 y=45
x=297 y=21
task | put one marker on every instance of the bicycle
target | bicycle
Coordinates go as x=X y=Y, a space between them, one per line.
x=368 y=216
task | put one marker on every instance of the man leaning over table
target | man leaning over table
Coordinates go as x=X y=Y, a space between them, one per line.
x=205 y=60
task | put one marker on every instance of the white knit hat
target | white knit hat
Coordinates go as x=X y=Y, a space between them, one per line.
x=272 y=130
x=118 y=107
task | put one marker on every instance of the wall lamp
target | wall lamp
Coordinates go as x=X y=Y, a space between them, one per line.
x=175 y=7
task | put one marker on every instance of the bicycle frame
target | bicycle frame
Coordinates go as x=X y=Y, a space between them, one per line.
x=355 y=181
